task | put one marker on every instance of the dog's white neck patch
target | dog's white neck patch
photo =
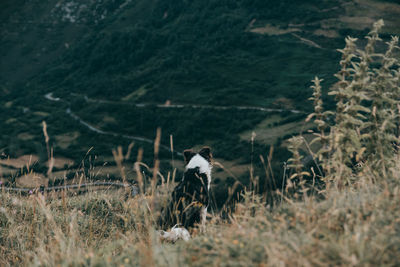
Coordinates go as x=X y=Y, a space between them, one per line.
x=203 y=164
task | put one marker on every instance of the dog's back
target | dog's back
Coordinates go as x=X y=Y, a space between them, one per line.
x=190 y=198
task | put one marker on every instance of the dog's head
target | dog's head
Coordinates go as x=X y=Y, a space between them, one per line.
x=201 y=160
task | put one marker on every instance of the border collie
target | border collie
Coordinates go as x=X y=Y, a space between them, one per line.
x=191 y=197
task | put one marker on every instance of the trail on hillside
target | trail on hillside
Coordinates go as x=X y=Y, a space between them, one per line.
x=99 y=131
x=68 y=111
x=92 y=128
x=179 y=106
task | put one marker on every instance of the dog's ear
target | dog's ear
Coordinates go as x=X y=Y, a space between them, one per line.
x=188 y=155
x=205 y=152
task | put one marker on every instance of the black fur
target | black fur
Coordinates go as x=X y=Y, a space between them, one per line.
x=205 y=152
x=189 y=198
x=188 y=155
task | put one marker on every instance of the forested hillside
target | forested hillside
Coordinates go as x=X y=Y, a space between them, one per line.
x=210 y=72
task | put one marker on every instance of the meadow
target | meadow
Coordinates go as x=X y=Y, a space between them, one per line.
x=350 y=227
x=342 y=211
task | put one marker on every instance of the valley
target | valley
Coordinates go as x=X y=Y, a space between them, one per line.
x=109 y=73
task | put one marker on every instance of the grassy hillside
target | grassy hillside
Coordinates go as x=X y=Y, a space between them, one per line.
x=137 y=54
x=358 y=228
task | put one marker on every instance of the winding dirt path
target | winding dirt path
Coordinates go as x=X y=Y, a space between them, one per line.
x=99 y=131
x=68 y=111
x=180 y=106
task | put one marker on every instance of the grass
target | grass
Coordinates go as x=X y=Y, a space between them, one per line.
x=270 y=134
x=347 y=216
x=348 y=227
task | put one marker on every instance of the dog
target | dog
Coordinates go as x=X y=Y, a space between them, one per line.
x=191 y=197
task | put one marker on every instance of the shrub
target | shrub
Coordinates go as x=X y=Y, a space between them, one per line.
x=364 y=136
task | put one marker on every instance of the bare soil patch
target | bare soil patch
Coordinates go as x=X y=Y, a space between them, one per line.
x=60 y=162
x=11 y=120
x=327 y=33
x=25 y=136
x=273 y=30
x=223 y=169
x=31 y=180
x=65 y=140
x=41 y=114
x=5 y=171
x=361 y=14
x=136 y=94
x=269 y=135
x=20 y=162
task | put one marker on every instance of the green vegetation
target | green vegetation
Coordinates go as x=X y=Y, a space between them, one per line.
x=175 y=51
x=364 y=136
x=222 y=53
x=344 y=214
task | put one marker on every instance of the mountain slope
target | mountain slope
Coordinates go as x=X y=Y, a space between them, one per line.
x=142 y=53
x=171 y=49
x=220 y=52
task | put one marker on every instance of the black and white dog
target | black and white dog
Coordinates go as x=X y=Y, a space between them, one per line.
x=191 y=197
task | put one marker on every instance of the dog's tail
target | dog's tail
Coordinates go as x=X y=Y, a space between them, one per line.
x=175 y=234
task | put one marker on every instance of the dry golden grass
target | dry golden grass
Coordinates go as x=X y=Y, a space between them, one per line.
x=355 y=226
x=31 y=180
